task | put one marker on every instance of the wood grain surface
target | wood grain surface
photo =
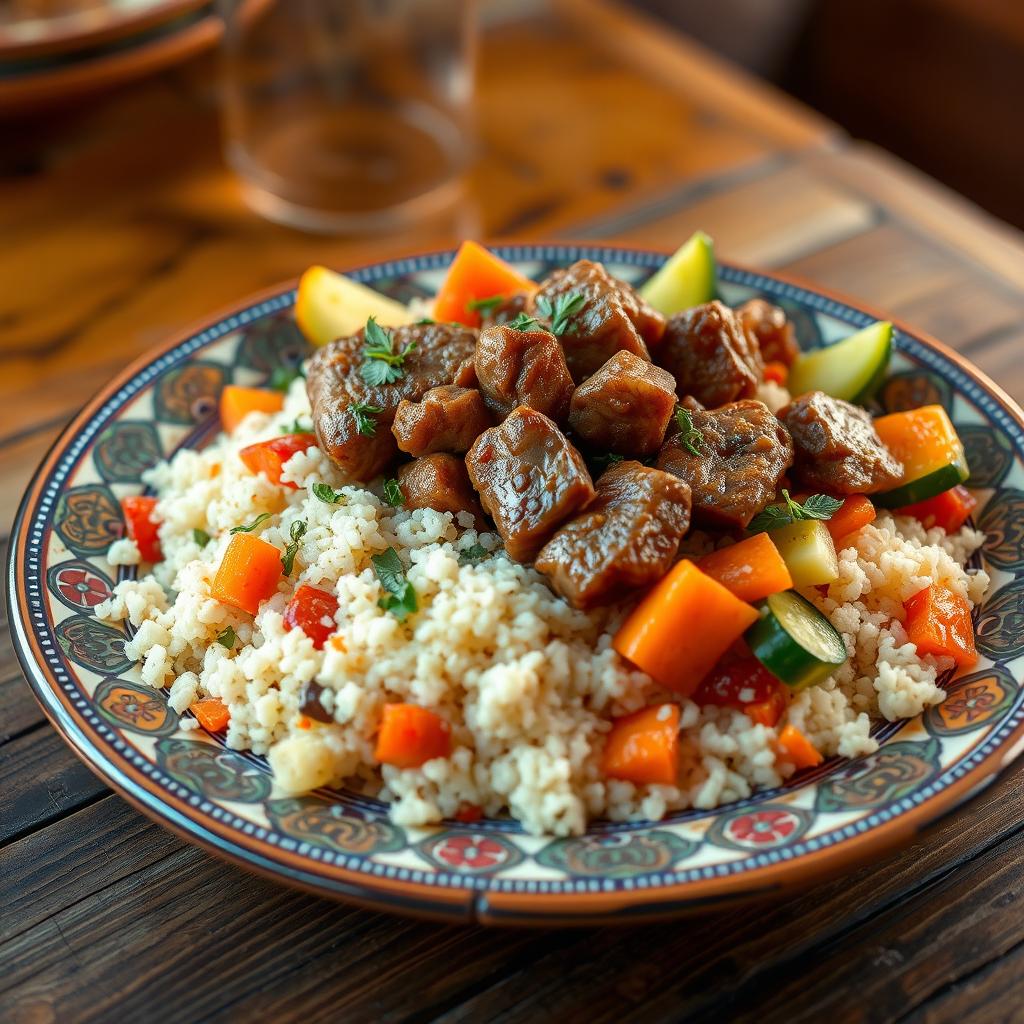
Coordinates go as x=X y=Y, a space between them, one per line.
x=121 y=226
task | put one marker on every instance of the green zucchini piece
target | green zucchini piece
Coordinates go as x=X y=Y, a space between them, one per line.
x=686 y=280
x=809 y=552
x=795 y=642
x=924 y=487
x=851 y=369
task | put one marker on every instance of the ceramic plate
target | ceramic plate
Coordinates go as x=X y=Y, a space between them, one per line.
x=343 y=845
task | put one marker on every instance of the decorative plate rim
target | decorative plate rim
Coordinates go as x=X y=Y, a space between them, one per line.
x=457 y=900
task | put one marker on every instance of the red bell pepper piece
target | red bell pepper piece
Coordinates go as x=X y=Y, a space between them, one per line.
x=269 y=457
x=938 y=621
x=950 y=509
x=776 y=372
x=142 y=527
x=736 y=684
x=312 y=610
x=856 y=511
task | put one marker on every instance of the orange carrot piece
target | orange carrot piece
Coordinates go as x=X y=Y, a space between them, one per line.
x=248 y=573
x=767 y=712
x=476 y=273
x=776 y=372
x=211 y=713
x=237 y=402
x=939 y=622
x=751 y=569
x=793 y=746
x=922 y=439
x=680 y=629
x=410 y=736
x=644 y=747
x=855 y=512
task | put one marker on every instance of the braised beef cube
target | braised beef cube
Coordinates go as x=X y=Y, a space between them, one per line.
x=766 y=326
x=465 y=375
x=445 y=419
x=359 y=441
x=837 y=448
x=440 y=482
x=529 y=478
x=612 y=317
x=733 y=459
x=506 y=310
x=710 y=356
x=626 y=538
x=625 y=407
x=523 y=368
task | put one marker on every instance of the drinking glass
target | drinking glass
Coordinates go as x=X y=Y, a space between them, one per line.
x=348 y=115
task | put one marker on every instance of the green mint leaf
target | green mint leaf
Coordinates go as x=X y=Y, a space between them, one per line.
x=820 y=506
x=770 y=518
x=363 y=415
x=327 y=494
x=288 y=558
x=260 y=519
x=400 y=605
x=484 y=306
x=376 y=337
x=393 y=493
x=522 y=322
x=226 y=637
x=473 y=554
x=390 y=570
x=282 y=377
x=201 y=537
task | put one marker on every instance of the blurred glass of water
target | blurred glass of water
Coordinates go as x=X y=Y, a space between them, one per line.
x=348 y=115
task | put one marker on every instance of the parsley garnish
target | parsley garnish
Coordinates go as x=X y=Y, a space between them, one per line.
x=689 y=436
x=522 y=322
x=393 y=493
x=817 y=506
x=484 y=306
x=562 y=310
x=381 y=363
x=288 y=558
x=226 y=637
x=363 y=415
x=282 y=377
x=473 y=554
x=201 y=537
x=297 y=427
x=400 y=599
x=327 y=494
x=261 y=518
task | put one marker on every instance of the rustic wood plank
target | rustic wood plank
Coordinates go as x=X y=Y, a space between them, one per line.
x=19 y=712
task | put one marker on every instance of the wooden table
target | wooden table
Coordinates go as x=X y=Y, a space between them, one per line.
x=120 y=225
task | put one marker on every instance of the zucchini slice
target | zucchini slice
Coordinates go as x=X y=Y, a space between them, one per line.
x=809 y=552
x=686 y=280
x=851 y=369
x=795 y=642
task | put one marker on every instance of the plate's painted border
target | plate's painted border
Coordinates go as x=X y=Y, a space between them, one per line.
x=443 y=894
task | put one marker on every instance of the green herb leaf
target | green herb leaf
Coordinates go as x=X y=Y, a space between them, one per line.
x=260 y=519
x=377 y=373
x=820 y=506
x=562 y=310
x=381 y=363
x=226 y=637
x=327 y=494
x=689 y=436
x=288 y=558
x=400 y=605
x=484 y=306
x=393 y=493
x=400 y=599
x=473 y=554
x=201 y=537
x=363 y=415
x=772 y=517
x=522 y=322
x=817 y=506
x=423 y=320
x=282 y=377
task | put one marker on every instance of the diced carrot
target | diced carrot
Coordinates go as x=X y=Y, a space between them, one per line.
x=312 y=610
x=248 y=573
x=476 y=273
x=950 y=509
x=211 y=713
x=269 y=457
x=137 y=510
x=855 y=512
x=777 y=373
x=922 y=439
x=793 y=746
x=938 y=621
x=767 y=712
x=751 y=569
x=644 y=747
x=410 y=736
x=682 y=627
x=237 y=402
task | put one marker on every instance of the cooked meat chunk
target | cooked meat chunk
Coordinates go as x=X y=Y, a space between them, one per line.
x=710 y=356
x=612 y=317
x=339 y=395
x=440 y=482
x=465 y=375
x=529 y=478
x=445 y=419
x=767 y=327
x=741 y=451
x=507 y=309
x=522 y=368
x=625 y=407
x=626 y=538
x=837 y=447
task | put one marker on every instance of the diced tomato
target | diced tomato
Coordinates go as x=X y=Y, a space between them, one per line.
x=950 y=509
x=269 y=457
x=736 y=684
x=142 y=527
x=312 y=610
x=777 y=373
x=938 y=621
